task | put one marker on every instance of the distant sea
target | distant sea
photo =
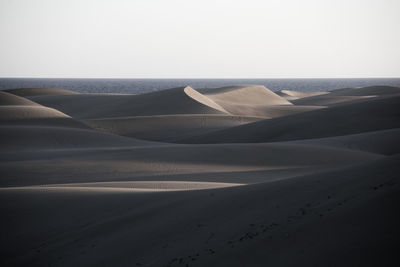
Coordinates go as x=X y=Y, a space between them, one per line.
x=138 y=86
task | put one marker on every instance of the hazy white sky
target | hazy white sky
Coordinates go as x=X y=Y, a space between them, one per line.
x=199 y=39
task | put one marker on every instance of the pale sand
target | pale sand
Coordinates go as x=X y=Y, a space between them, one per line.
x=124 y=187
x=252 y=101
x=291 y=179
x=251 y=94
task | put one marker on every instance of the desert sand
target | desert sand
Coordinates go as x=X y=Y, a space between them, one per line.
x=232 y=176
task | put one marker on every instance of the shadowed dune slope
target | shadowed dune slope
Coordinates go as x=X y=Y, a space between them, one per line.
x=366 y=91
x=36 y=138
x=372 y=115
x=90 y=106
x=347 y=94
x=157 y=162
x=385 y=142
x=167 y=127
x=268 y=111
x=25 y=125
x=39 y=91
x=316 y=214
x=328 y=100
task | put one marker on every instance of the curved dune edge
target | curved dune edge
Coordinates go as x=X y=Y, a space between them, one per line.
x=131 y=186
x=29 y=112
x=24 y=92
x=192 y=93
x=8 y=99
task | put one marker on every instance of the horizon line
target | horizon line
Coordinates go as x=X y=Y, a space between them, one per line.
x=198 y=78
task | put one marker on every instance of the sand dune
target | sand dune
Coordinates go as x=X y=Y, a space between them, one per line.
x=7 y=99
x=143 y=163
x=10 y=113
x=15 y=110
x=251 y=100
x=366 y=91
x=25 y=125
x=125 y=187
x=203 y=99
x=241 y=100
x=375 y=114
x=266 y=111
x=254 y=100
x=385 y=142
x=35 y=137
x=250 y=94
x=292 y=95
x=170 y=101
x=328 y=100
x=167 y=128
x=36 y=116
x=39 y=91
x=277 y=184
x=347 y=94
x=236 y=226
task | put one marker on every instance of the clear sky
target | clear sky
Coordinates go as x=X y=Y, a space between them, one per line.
x=199 y=38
